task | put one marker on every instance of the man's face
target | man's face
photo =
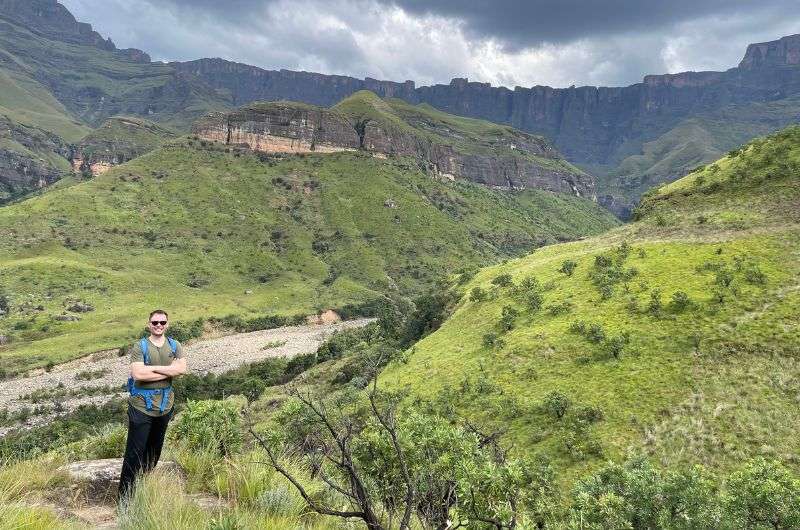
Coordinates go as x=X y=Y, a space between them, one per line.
x=158 y=324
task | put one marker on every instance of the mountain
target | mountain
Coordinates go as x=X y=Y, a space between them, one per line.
x=674 y=336
x=632 y=137
x=211 y=229
x=445 y=145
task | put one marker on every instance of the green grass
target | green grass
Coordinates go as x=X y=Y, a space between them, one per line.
x=192 y=228
x=713 y=383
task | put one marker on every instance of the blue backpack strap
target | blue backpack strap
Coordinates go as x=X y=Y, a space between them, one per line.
x=145 y=355
x=173 y=345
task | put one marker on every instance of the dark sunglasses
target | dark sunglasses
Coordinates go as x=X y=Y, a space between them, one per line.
x=158 y=322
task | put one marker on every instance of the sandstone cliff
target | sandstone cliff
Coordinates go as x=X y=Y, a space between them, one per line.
x=446 y=146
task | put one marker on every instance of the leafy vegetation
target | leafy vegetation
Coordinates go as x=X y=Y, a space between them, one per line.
x=255 y=245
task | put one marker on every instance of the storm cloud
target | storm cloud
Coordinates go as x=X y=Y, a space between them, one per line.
x=505 y=42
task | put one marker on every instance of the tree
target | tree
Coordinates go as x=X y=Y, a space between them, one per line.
x=762 y=495
x=568 y=267
x=387 y=463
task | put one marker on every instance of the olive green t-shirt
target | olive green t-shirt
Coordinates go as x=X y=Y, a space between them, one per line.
x=158 y=357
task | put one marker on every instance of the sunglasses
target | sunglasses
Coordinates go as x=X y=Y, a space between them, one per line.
x=158 y=322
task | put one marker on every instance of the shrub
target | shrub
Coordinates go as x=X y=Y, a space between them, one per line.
x=504 y=280
x=184 y=331
x=477 y=294
x=568 y=267
x=493 y=340
x=556 y=404
x=754 y=275
x=533 y=300
x=210 y=425
x=508 y=316
x=654 y=305
x=616 y=344
x=763 y=495
x=579 y=327
x=680 y=301
x=595 y=333
x=723 y=277
x=560 y=308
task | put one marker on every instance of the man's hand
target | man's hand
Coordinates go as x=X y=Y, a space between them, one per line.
x=176 y=368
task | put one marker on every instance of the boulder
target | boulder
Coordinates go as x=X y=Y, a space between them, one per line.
x=99 y=479
x=66 y=318
x=80 y=307
x=4 y=340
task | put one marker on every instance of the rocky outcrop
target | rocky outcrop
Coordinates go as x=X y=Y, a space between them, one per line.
x=782 y=52
x=280 y=128
x=514 y=161
x=29 y=158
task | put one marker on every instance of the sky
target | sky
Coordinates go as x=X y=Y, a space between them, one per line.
x=504 y=42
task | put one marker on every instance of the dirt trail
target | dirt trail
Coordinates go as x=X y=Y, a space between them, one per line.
x=206 y=356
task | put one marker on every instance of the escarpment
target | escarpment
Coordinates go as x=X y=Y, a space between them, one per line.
x=445 y=146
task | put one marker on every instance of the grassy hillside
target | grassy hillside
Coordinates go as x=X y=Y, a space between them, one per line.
x=697 y=140
x=207 y=231
x=675 y=336
x=466 y=135
x=42 y=77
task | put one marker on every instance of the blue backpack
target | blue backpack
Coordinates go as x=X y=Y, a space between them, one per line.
x=148 y=393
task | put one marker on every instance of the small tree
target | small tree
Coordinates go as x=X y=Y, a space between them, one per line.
x=556 y=404
x=763 y=495
x=478 y=294
x=655 y=305
x=568 y=267
x=504 y=280
x=680 y=301
x=508 y=316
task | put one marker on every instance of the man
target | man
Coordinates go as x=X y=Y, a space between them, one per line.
x=155 y=360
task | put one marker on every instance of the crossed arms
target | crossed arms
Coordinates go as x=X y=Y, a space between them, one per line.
x=146 y=374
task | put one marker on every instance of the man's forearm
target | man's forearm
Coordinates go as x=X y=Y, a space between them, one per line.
x=175 y=369
x=149 y=375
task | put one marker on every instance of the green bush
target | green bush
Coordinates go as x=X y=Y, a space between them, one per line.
x=493 y=340
x=504 y=280
x=654 y=306
x=210 y=425
x=478 y=294
x=595 y=333
x=184 y=331
x=556 y=404
x=568 y=267
x=680 y=301
x=507 y=318
x=762 y=495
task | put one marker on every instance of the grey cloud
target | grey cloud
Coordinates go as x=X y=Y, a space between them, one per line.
x=545 y=42
x=525 y=23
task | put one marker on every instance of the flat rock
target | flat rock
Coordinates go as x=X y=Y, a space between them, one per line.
x=100 y=478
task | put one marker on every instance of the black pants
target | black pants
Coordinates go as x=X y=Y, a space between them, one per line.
x=143 y=448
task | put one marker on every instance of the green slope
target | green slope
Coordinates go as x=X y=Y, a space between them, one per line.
x=680 y=330
x=93 y=84
x=691 y=142
x=466 y=135
x=192 y=227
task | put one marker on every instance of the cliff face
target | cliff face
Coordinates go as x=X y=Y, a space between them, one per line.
x=496 y=156
x=595 y=127
x=280 y=128
x=29 y=158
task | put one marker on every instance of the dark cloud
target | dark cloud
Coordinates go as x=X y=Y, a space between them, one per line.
x=525 y=23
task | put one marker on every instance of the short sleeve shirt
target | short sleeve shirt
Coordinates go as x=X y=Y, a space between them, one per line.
x=158 y=357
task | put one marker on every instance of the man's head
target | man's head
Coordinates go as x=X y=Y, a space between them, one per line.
x=158 y=322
